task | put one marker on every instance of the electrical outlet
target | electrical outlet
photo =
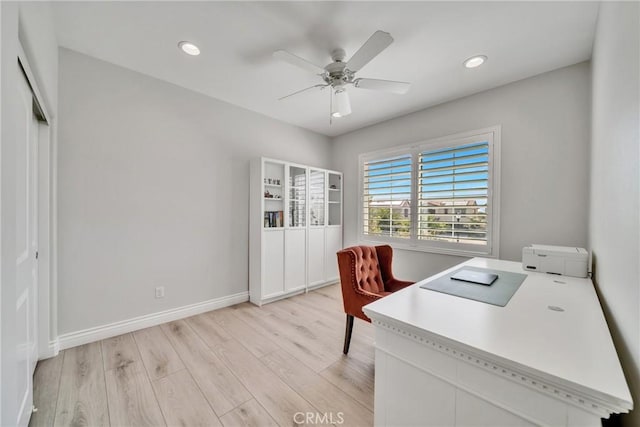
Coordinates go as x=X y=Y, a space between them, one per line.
x=160 y=292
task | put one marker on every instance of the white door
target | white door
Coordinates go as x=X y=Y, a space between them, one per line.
x=26 y=247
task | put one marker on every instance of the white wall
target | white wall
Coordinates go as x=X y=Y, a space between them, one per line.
x=545 y=140
x=614 y=226
x=154 y=191
x=31 y=25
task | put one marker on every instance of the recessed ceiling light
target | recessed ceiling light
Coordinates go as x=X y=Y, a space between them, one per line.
x=189 y=48
x=475 y=61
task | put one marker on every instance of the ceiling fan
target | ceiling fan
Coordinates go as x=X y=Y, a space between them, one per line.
x=340 y=74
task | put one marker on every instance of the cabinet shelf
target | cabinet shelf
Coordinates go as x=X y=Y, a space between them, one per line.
x=273 y=185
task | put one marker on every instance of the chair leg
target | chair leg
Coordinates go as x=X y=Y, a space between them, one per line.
x=347 y=334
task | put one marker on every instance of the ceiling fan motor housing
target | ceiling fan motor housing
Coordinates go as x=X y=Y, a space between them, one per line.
x=337 y=74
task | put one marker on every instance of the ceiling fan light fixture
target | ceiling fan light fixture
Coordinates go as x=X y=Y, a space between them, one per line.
x=475 y=61
x=341 y=104
x=189 y=48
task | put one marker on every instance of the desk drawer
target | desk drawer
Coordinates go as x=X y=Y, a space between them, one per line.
x=423 y=355
x=523 y=400
x=471 y=411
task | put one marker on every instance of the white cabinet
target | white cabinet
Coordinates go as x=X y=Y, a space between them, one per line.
x=295 y=228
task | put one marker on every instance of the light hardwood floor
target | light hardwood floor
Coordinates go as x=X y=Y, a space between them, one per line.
x=238 y=366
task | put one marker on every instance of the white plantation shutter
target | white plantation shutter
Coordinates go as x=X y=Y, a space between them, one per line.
x=387 y=197
x=453 y=194
x=439 y=196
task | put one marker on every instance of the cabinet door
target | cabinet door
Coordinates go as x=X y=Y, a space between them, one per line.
x=316 y=256
x=273 y=194
x=297 y=197
x=273 y=262
x=295 y=249
x=334 y=204
x=333 y=243
x=317 y=205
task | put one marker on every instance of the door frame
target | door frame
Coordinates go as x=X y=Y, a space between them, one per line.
x=47 y=341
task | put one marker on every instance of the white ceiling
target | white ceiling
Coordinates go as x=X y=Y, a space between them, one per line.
x=237 y=39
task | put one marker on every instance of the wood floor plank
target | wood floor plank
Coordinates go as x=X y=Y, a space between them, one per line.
x=316 y=306
x=46 y=381
x=354 y=377
x=206 y=327
x=119 y=351
x=323 y=307
x=82 y=399
x=297 y=339
x=256 y=342
x=181 y=401
x=249 y=414
x=275 y=396
x=333 y=292
x=158 y=355
x=131 y=398
x=329 y=329
x=218 y=384
x=330 y=401
x=326 y=336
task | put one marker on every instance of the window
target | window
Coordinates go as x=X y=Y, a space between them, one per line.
x=440 y=195
x=387 y=185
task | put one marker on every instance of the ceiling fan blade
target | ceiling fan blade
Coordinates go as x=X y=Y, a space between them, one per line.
x=292 y=59
x=384 y=85
x=303 y=90
x=369 y=50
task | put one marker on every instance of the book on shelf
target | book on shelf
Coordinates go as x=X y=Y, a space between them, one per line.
x=273 y=219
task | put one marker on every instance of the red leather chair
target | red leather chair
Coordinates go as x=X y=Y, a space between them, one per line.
x=365 y=276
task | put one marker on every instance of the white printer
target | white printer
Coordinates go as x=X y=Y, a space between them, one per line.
x=556 y=260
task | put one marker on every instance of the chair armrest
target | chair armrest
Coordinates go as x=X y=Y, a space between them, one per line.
x=356 y=300
x=395 y=285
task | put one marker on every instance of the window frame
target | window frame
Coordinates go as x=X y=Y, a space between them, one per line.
x=491 y=250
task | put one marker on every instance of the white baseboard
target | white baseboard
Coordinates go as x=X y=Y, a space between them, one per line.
x=323 y=284
x=52 y=350
x=73 y=339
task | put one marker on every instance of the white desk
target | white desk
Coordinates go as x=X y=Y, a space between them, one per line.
x=443 y=360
